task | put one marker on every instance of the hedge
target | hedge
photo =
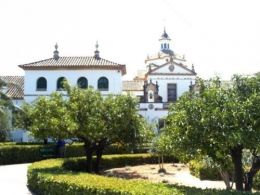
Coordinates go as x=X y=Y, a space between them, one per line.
x=256 y=183
x=204 y=172
x=111 y=161
x=14 y=153
x=48 y=177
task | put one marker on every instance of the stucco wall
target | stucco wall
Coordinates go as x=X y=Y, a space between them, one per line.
x=30 y=92
x=183 y=83
x=153 y=113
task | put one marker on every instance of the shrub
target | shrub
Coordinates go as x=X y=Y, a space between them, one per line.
x=201 y=170
x=256 y=183
x=16 y=153
x=7 y=143
x=13 y=153
x=48 y=177
x=111 y=161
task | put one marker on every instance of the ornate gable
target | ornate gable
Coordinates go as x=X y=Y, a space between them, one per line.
x=171 y=68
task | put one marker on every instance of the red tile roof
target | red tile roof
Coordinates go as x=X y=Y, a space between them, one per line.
x=15 y=86
x=74 y=62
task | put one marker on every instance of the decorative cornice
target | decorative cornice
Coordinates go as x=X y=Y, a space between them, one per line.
x=173 y=74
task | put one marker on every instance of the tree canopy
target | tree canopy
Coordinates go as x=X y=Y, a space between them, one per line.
x=218 y=121
x=6 y=108
x=84 y=114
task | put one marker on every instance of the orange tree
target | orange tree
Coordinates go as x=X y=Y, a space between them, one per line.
x=86 y=115
x=103 y=121
x=219 y=122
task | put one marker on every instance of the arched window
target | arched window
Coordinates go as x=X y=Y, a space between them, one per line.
x=82 y=83
x=41 y=84
x=162 y=46
x=103 y=84
x=165 y=46
x=60 y=83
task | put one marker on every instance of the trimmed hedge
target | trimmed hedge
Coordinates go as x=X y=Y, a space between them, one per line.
x=48 y=177
x=111 y=161
x=7 y=143
x=14 y=153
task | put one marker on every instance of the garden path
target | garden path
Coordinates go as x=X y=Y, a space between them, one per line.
x=13 y=180
x=176 y=174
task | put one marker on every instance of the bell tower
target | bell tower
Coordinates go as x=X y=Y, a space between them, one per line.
x=165 y=41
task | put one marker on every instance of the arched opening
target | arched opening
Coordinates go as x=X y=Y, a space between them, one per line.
x=41 y=84
x=60 y=83
x=82 y=83
x=103 y=84
x=150 y=96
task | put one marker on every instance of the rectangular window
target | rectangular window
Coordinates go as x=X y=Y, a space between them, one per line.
x=172 y=92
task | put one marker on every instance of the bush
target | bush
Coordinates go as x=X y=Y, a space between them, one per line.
x=7 y=143
x=256 y=183
x=111 y=161
x=201 y=170
x=14 y=154
x=48 y=177
x=205 y=169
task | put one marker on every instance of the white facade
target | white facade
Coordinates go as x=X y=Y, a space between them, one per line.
x=152 y=111
x=182 y=83
x=160 y=71
x=31 y=76
x=164 y=69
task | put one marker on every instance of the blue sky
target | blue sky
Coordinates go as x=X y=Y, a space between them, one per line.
x=219 y=37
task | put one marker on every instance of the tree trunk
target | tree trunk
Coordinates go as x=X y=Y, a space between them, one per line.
x=99 y=151
x=88 y=152
x=236 y=154
x=45 y=141
x=250 y=175
x=226 y=178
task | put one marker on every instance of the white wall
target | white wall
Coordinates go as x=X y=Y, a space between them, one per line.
x=183 y=83
x=133 y=93
x=177 y=69
x=151 y=114
x=17 y=103
x=31 y=76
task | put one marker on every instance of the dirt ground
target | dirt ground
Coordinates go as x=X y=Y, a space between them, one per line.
x=175 y=174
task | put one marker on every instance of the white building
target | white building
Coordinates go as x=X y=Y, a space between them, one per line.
x=46 y=76
x=164 y=78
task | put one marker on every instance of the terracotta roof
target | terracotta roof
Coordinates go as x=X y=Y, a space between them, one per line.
x=74 y=62
x=136 y=85
x=15 y=86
